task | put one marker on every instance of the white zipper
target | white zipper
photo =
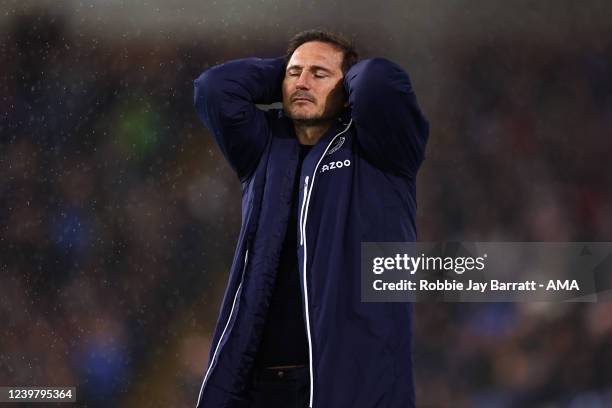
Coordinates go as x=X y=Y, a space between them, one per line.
x=303 y=219
x=305 y=194
x=216 y=352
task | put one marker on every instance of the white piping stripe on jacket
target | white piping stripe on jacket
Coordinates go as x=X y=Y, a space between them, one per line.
x=302 y=210
x=303 y=229
x=229 y=319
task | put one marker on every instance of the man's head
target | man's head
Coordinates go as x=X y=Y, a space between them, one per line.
x=313 y=90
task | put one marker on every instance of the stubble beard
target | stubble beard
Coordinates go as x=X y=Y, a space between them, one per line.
x=334 y=105
x=316 y=119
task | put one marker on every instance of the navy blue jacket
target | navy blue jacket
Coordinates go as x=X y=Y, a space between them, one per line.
x=357 y=184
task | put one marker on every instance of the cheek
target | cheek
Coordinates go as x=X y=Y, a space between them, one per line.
x=285 y=89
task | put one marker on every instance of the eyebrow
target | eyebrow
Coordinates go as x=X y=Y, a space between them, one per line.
x=313 y=68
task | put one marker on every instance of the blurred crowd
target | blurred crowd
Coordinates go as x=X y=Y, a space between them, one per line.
x=518 y=152
x=119 y=216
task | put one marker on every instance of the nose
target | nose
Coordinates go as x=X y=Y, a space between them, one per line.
x=302 y=81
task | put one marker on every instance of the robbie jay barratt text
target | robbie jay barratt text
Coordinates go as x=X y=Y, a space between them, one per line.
x=493 y=285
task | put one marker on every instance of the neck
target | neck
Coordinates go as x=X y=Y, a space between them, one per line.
x=309 y=134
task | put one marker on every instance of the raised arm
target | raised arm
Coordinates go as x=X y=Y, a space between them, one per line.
x=225 y=98
x=390 y=126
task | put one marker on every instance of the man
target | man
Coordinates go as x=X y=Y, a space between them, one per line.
x=334 y=168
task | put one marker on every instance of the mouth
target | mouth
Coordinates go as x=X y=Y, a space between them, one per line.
x=295 y=100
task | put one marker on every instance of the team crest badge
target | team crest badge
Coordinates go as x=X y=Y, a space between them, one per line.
x=336 y=145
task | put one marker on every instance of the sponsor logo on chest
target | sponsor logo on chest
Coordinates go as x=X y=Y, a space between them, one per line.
x=336 y=164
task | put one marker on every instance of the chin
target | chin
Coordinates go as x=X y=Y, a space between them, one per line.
x=303 y=115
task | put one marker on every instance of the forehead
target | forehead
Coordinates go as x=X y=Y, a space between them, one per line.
x=316 y=53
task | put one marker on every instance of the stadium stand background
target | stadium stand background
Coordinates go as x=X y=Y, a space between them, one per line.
x=119 y=216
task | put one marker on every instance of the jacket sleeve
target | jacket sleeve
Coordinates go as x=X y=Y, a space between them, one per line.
x=390 y=127
x=225 y=99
